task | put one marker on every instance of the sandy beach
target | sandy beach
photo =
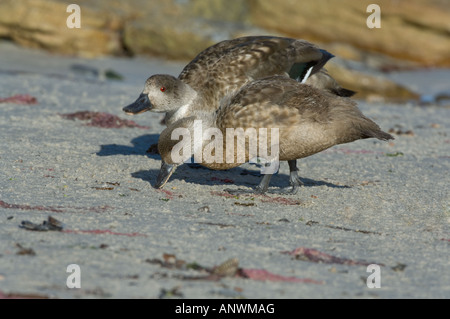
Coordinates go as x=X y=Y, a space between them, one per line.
x=368 y=202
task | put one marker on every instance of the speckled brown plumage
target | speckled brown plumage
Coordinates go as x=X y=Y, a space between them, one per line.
x=228 y=65
x=225 y=67
x=244 y=83
x=309 y=120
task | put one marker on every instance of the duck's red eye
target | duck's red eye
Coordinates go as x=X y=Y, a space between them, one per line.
x=163 y=89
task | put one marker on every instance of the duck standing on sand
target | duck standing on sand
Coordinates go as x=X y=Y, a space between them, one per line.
x=309 y=121
x=225 y=67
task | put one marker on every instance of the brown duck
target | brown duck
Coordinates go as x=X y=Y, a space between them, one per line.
x=225 y=67
x=309 y=120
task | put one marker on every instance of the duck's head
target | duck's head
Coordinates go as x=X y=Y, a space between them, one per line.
x=162 y=93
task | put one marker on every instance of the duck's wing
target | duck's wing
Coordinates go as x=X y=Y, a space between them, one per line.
x=205 y=60
x=276 y=101
x=284 y=103
x=228 y=65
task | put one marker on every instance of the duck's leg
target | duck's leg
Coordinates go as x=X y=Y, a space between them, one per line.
x=263 y=187
x=294 y=180
x=264 y=184
x=260 y=189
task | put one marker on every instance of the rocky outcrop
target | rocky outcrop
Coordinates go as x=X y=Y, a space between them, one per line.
x=42 y=24
x=372 y=86
x=170 y=28
x=414 y=32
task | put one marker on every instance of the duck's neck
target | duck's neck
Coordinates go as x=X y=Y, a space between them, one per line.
x=190 y=99
x=178 y=114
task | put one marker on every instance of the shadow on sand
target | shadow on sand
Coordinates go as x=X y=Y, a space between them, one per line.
x=140 y=147
x=195 y=173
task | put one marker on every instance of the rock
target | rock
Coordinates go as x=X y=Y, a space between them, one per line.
x=415 y=30
x=173 y=29
x=181 y=29
x=180 y=42
x=42 y=24
x=369 y=85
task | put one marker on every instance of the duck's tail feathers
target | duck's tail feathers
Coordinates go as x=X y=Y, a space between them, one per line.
x=384 y=136
x=376 y=132
x=343 y=92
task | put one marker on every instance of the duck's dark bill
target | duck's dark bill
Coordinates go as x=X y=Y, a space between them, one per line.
x=142 y=104
x=164 y=174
